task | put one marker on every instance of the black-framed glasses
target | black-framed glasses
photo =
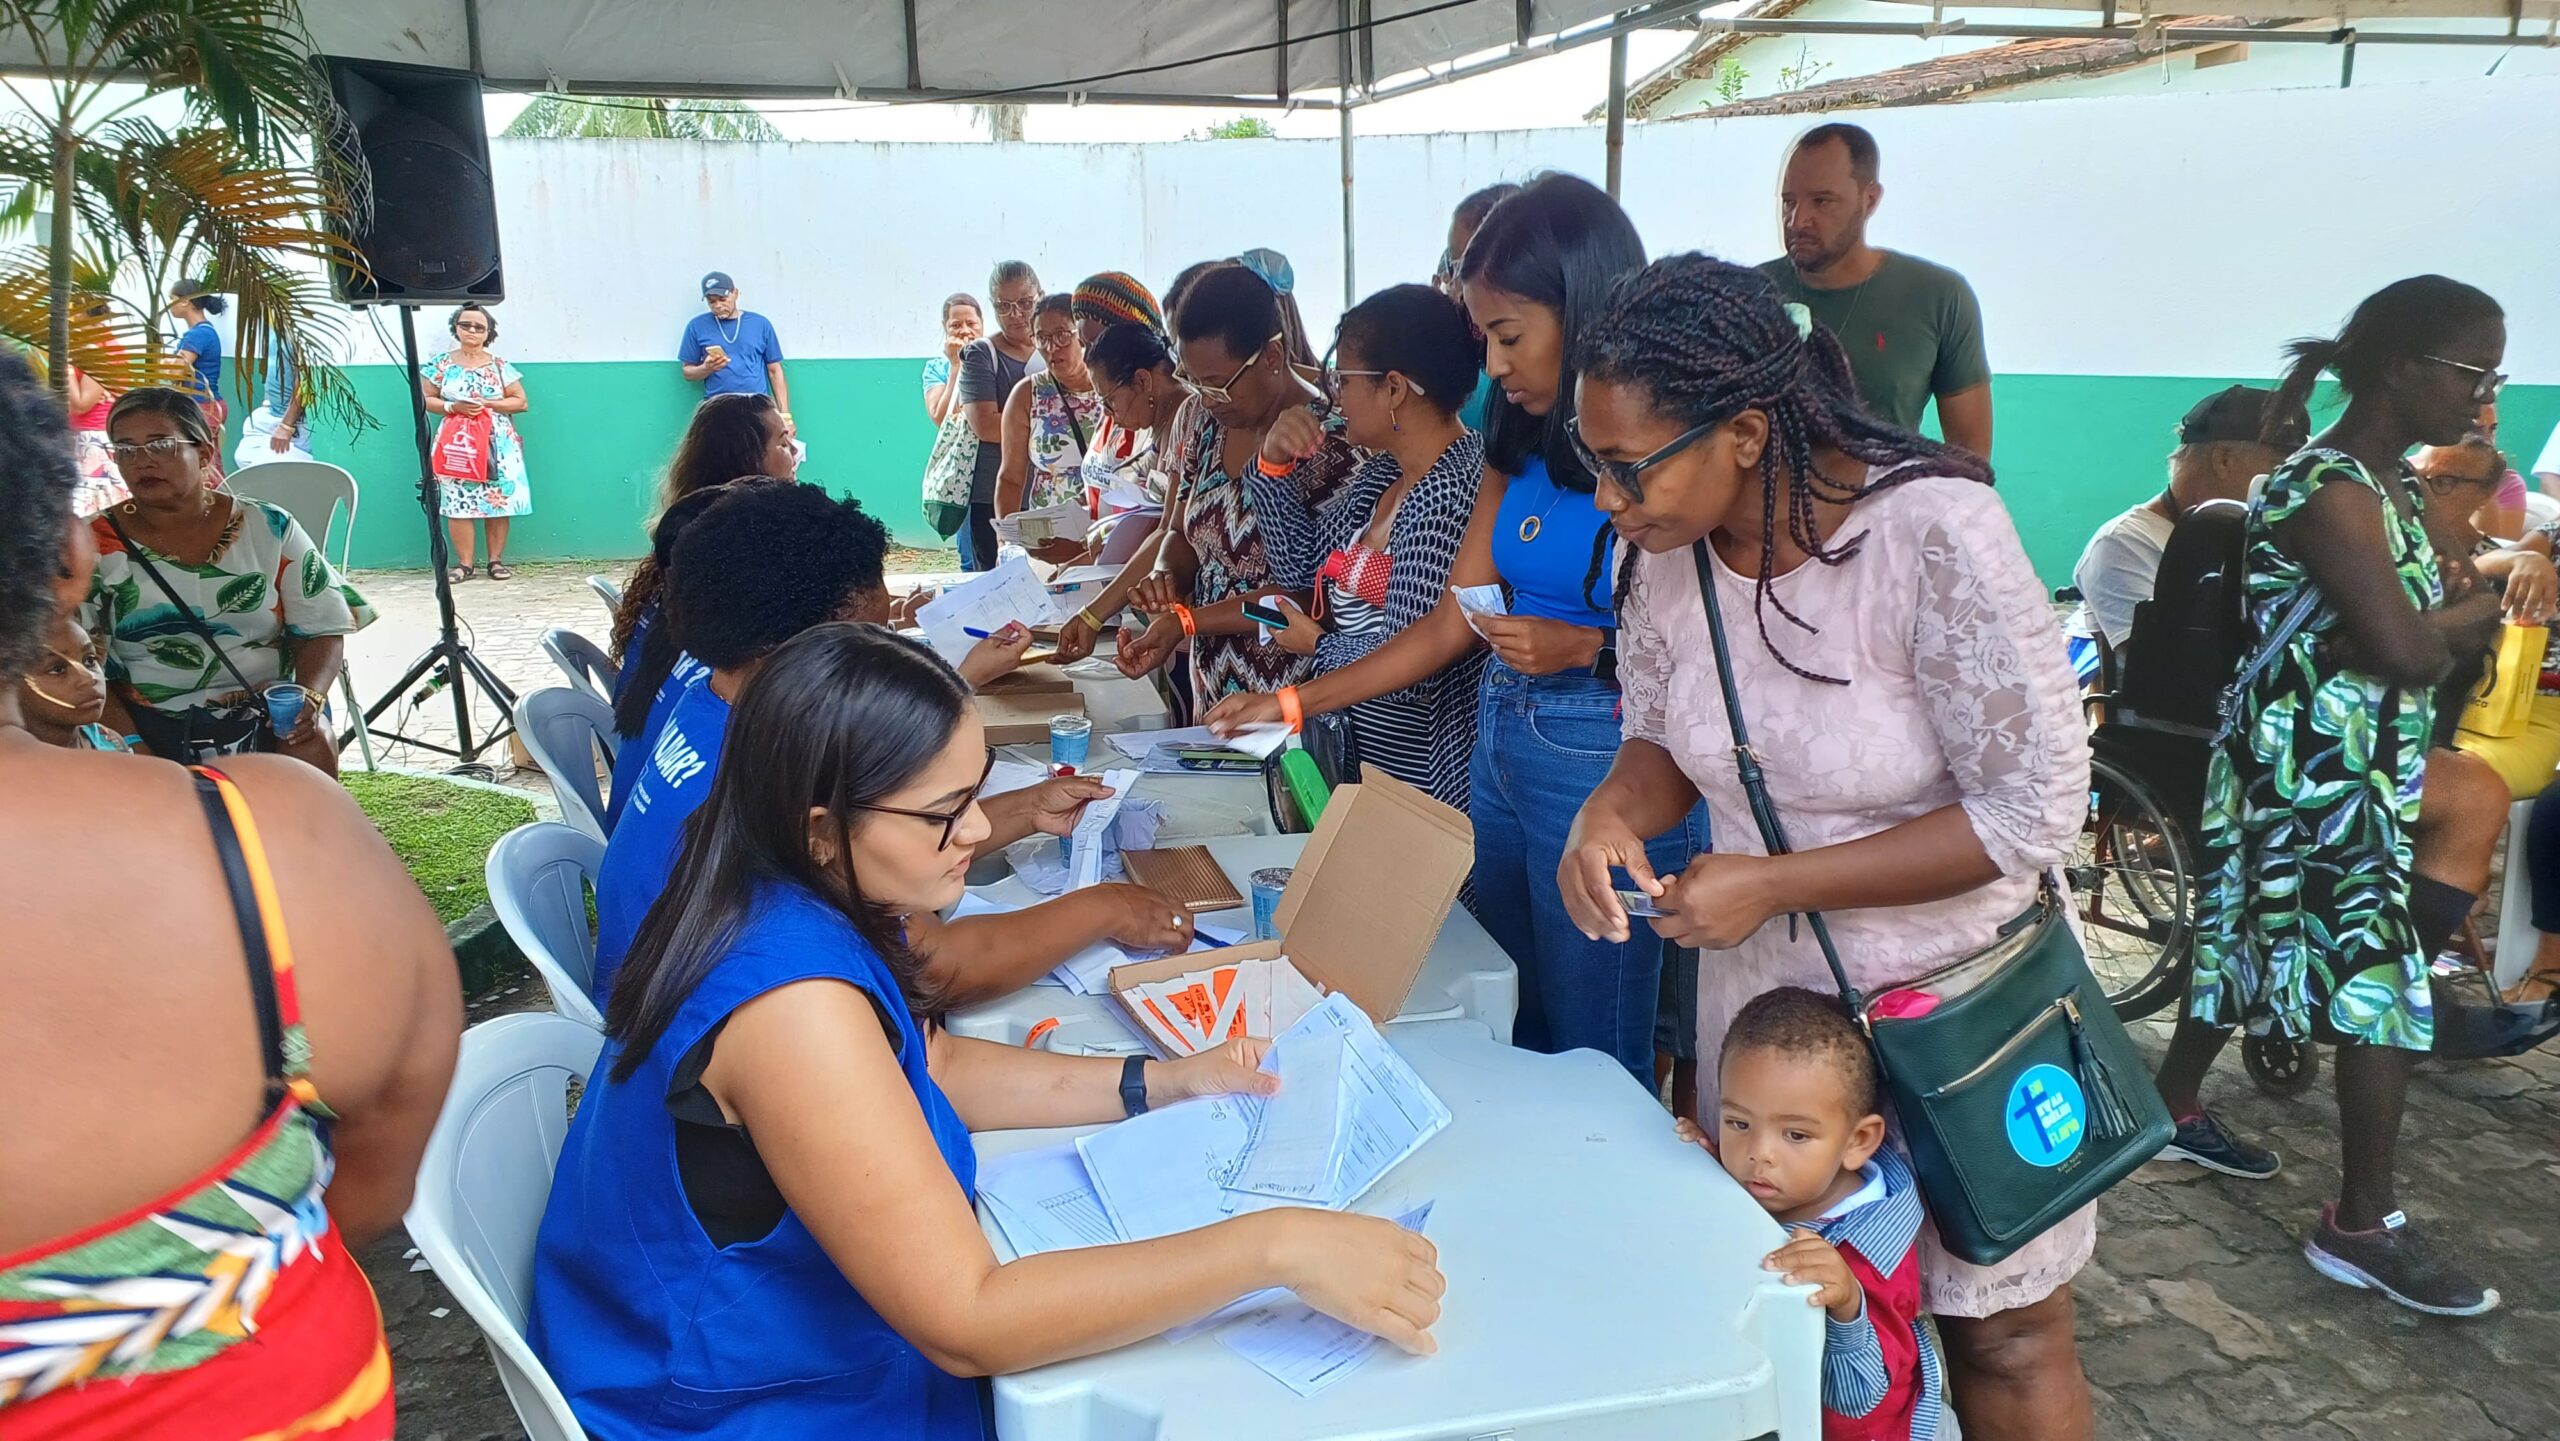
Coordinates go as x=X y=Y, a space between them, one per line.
x=951 y=818
x=1628 y=475
x=2487 y=383
x=1225 y=393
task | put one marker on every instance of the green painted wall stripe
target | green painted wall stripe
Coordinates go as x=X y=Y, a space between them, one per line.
x=2071 y=451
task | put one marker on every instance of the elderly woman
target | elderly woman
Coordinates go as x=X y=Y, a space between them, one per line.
x=206 y=600
x=466 y=381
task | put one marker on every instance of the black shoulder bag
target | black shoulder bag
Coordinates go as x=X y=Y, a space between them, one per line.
x=2020 y=1096
x=191 y=737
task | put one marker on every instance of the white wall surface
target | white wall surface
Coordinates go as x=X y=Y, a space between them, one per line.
x=2141 y=235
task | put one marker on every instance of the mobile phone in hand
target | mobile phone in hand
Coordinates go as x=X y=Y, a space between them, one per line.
x=1262 y=611
x=1640 y=904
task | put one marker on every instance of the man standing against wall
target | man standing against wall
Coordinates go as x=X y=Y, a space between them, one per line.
x=732 y=350
x=1912 y=329
x=990 y=367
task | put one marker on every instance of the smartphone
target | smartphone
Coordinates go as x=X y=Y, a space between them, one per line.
x=1260 y=610
x=1640 y=904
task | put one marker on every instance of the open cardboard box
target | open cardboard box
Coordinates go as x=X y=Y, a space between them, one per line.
x=1022 y=717
x=1364 y=906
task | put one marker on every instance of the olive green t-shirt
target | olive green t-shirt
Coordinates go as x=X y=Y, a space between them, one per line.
x=1913 y=330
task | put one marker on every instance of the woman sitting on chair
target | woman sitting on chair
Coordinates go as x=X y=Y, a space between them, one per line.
x=207 y=600
x=762 y=1224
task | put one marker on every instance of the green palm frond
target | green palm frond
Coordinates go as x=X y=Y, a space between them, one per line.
x=617 y=117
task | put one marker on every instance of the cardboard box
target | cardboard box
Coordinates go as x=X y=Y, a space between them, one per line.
x=1029 y=679
x=1022 y=717
x=1365 y=903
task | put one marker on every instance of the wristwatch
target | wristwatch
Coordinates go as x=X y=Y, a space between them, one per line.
x=1604 y=666
x=1133 y=1085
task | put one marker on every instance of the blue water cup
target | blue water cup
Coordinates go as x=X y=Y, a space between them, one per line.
x=1269 y=884
x=284 y=706
x=1070 y=740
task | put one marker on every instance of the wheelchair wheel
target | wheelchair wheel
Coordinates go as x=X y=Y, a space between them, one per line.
x=2281 y=1066
x=2133 y=880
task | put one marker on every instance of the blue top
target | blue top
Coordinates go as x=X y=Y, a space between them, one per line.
x=1471 y=414
x=641 y=857
x=652 y=1331
x=280 y=379
x=634 y=753
x=751 y=344
x=1546 y=574
x=204 y=343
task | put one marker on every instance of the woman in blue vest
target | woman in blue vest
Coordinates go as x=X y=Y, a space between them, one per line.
x=762 y=1223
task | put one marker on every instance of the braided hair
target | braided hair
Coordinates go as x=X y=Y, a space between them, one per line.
x=1705 y=341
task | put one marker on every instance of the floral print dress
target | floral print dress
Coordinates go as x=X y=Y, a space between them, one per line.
x=2304 y=907
x=508 y=493
x=1063 y=427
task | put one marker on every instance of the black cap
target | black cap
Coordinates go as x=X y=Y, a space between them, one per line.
x=718 y=283
x=2236 y=414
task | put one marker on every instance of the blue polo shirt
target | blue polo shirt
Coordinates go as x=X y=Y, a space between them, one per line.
x=751 y=344
x=641 y=857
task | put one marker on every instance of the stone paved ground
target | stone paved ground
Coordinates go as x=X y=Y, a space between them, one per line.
x=2199 y=1320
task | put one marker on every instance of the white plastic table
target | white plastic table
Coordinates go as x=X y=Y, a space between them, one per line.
x=1604 y=1282
x=1465 y=976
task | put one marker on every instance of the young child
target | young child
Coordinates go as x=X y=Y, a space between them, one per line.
x=1801 y=1127
x=61 y=695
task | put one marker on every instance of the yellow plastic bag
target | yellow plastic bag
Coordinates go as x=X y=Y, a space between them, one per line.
x=2501 y=707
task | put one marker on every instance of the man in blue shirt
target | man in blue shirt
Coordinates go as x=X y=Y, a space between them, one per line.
x=732 y=350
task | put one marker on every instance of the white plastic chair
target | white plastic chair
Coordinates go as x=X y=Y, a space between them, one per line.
x=607 y=592
x=484 y=1181
x=583 y=661
x=539 y=874
x=2540 y=509
x=566 y=730
x=314 y=493
x=2516 y=935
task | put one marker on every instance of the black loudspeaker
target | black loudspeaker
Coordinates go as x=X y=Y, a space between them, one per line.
x=431 y=232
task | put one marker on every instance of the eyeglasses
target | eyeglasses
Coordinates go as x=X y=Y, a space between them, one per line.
x=126 y=451
x=951 y=818
x=2486 y=388
x=1018 y=307
x=1628 y=475
x=1333 y=375
x=473 y=326
x=1054 y=339
x=1224 y=393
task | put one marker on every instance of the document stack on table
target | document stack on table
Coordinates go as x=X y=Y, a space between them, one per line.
x=1349 y=1110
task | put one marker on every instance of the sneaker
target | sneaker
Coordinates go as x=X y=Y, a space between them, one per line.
x=2203 y=1139
x=2397 y=1260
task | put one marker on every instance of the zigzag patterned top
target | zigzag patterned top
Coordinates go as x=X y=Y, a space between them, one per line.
x=138 y=1326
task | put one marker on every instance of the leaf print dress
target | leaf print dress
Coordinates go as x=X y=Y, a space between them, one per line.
x=265 y=588
x=2309 y=805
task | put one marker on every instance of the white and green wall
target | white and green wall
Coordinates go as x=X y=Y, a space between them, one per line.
x=2131 y=254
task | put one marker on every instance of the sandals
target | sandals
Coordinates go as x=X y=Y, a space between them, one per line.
x=2547 y=982
x=459 y=574
x=498 y=571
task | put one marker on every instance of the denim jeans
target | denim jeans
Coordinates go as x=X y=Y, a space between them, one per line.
x=1543 y=744
x=977 y=537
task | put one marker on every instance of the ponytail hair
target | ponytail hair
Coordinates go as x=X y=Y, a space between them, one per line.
x=2406 y=320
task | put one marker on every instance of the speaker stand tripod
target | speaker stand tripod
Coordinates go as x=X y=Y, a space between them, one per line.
x=449 y=662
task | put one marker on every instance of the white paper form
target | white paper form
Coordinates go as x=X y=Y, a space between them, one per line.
x=986 y=601
x=1478 y=600
x=1138 y=745
x=1044 y=1201
x=1165 y=1172
x=1095 y=824
x=1049 y=522
x=1349 y=1111
x=1303 y=1348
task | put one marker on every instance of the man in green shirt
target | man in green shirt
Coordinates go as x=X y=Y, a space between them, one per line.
x=1912 y=329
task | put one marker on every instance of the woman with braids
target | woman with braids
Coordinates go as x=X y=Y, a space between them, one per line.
x=2329 y=886
x=762 y=1223
x=1908 y=693
x=225 y=1049
x=1260 y=457
x=730 y=435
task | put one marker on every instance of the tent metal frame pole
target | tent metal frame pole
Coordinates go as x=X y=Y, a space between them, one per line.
x=1617 y=141
x=1350 y=247
x=915 y=58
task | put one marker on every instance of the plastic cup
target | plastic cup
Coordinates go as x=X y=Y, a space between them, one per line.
x=284 y=706
x=1268 y=885
x=1070 y=739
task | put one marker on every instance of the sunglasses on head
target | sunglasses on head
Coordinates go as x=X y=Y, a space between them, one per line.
x=950 y=819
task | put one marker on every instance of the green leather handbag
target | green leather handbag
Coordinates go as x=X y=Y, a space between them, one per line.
x=2020 y=1096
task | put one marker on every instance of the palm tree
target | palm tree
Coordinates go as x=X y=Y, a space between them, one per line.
x=1003 y=122
x=615 y=117
x=229 y=197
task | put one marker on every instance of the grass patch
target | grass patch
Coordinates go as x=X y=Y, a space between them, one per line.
x=441 y=831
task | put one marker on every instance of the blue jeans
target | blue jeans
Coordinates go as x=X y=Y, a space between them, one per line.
x=1543 y=744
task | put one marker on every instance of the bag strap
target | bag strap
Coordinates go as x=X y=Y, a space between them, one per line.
x=195 y=622
x=2293 y=618
x=252 y=895
x=1067 y=402
x=1755 y=786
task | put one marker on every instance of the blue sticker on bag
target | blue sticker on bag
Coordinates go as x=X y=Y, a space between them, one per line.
x=2048 y=1116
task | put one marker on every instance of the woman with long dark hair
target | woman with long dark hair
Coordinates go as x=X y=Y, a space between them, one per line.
x=1908 y=695
x=730 y=435
x=762 y=1220
x=2324 y=902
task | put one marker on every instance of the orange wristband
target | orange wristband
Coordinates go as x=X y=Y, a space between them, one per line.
x=1275 y=472
x=1182 y=613
x=1290 y=711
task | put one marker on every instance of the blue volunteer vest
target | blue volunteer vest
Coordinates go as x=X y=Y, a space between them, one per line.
x=649 y=1329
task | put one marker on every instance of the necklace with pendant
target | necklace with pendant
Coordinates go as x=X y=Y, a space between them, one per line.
x=1532 y=526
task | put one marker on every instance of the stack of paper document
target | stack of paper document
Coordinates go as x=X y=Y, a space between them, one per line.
x=1050 y=522
x=1294 y=1343
x=986 y=602
x=1090 y=842
x=1203 y=1009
